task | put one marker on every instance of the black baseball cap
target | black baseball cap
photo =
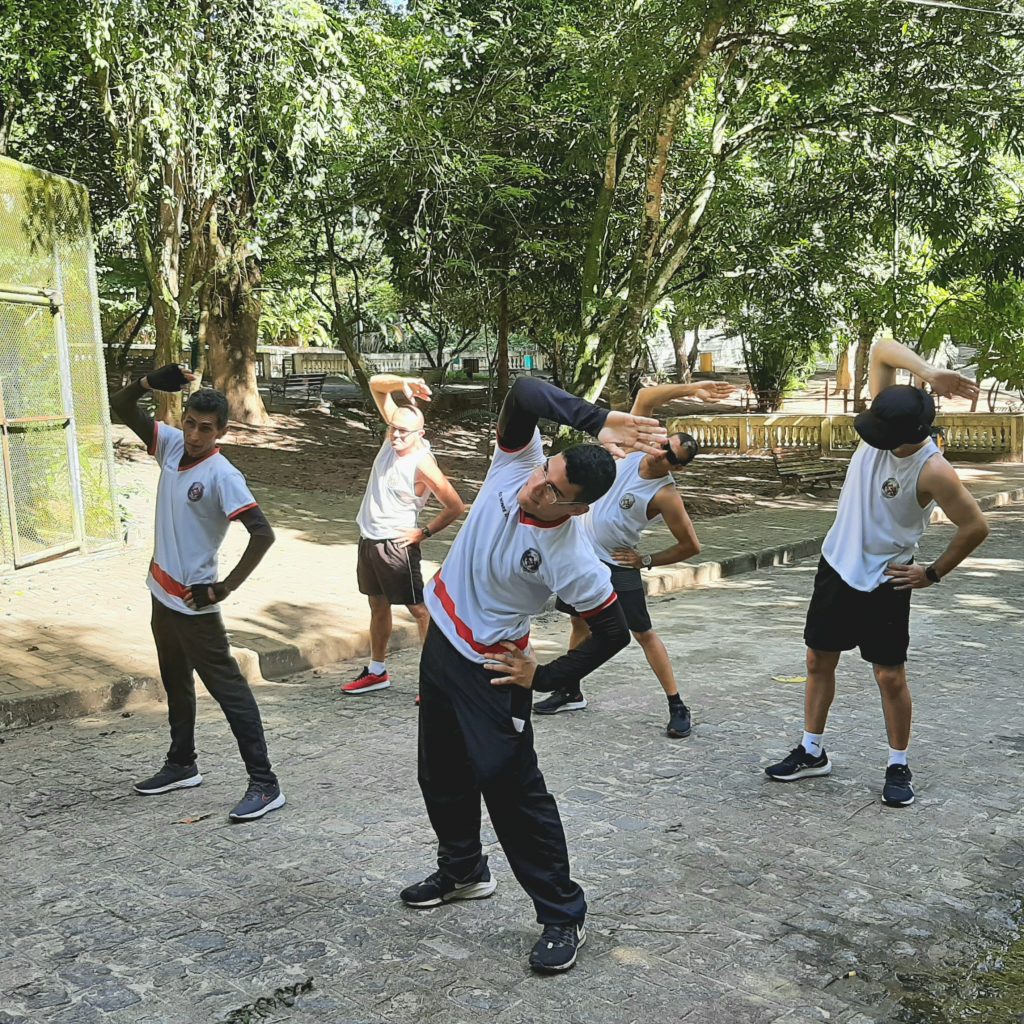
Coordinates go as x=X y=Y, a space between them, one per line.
x=900 y=414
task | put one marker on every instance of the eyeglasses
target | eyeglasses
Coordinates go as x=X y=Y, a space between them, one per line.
x=552 y=494
x=402 y=432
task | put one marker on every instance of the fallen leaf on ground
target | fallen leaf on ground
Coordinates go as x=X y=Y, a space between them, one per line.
x=790 y=679
x=192 y=821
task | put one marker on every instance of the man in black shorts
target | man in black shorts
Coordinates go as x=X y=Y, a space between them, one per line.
x=403 y=477
x=867 y=571
x=643 y=494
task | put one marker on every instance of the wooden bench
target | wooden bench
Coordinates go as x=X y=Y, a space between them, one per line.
x=799 y=466
x=306 y=387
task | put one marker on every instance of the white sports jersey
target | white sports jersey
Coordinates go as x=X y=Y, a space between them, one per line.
x=391 y=504
x=879 y=520
x=194 y=506
x=505 y=564
x=619 y=518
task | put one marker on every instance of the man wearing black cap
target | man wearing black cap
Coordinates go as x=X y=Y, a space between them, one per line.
x=867 y=570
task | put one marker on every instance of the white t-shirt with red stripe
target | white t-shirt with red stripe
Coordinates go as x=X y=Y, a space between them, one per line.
x=504 y=565
x=194 y=506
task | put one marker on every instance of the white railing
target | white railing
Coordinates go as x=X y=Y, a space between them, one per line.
x=996 y=436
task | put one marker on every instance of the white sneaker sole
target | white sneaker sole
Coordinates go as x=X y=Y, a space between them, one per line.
x=898 y=803
x=804 y=773
x=195 y=780
x=365 y=689
x=278 y=801
x=576 y=705
x=565 y=966
x=472 y=891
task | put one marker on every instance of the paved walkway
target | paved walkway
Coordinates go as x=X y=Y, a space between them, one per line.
x=75 y=632
x=716 y=896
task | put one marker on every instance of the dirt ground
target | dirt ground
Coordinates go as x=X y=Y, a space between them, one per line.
x=312 y=450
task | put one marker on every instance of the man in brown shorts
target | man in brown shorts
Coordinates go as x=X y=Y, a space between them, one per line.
x=403 y=477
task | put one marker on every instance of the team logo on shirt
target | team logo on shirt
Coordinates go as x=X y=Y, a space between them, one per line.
x=530 y=562
x=627 y=501
x=195 y=492
x=891 y=487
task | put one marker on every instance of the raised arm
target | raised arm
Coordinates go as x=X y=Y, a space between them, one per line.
x=888 y=356
x=126 y=401
x=649 y=399
x=382 y=385
x=531 y=399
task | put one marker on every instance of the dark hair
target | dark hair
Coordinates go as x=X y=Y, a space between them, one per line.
x=690 y=449
x=591 y=469
x=208 y=400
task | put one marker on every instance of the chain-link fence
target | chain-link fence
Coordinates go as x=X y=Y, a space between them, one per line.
x=56 y=484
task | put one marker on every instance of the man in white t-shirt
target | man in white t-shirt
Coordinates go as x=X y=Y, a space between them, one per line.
x=520 y=543
x=199 y=494
x=403 y=477
x=867 y=571
x=643 y=494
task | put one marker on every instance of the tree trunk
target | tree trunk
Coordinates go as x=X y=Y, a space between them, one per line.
x=168 y=348
x=501 y=355
x=865 y=333
x=233 y=352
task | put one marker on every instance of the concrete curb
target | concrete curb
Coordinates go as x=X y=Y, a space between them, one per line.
x=262 y=658
x=32 y=709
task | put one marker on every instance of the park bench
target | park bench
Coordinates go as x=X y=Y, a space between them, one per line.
x=800 y=466
x=305 y=387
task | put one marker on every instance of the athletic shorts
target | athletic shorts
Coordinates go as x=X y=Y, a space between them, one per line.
x=840 y=618
x=629 y=585
x=383 y=569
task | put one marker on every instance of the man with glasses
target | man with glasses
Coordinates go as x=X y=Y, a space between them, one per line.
x=520 y=543
x=403 y=477
x=643 y=493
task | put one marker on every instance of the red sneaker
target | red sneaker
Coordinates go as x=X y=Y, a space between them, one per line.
x=367 y=681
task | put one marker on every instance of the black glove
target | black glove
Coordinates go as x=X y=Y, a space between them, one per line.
x=201 y=593
x=168 y=378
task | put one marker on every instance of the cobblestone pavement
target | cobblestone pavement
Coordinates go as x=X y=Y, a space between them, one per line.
x=715 y=895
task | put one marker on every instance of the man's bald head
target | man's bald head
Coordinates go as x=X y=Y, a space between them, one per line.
x=407 y=417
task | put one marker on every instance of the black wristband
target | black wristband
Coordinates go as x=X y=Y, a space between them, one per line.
x=168 y=378
x=426 y=531
x=932 y=573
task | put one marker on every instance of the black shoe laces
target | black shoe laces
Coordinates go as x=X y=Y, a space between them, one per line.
x=559 y=934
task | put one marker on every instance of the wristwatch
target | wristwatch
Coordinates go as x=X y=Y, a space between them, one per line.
x=425 y=530
x=933 y=574
x=646 y=561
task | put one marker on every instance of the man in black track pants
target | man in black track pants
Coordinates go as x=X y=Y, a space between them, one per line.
x=199 y=495
x=520 y=543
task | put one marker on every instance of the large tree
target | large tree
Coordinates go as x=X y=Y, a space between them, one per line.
x=210 y=105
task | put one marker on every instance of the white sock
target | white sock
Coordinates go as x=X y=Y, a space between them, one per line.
x=897 y=756
x=812 y=743
x=378 y=668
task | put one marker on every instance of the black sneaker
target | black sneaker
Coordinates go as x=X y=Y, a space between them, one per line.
x=897 y=791
x=436 y=889
x=799 y=765
x=260 y=798
x=556 y=948
x=561 y=700
x=679 y=724
x=171 y=776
